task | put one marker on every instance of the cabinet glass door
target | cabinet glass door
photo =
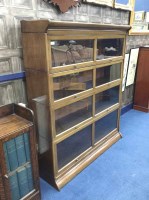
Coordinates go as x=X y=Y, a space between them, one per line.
x=66 y=52
x=109 y=48
x=107 y=74
x=73 y=146
x=72 y=114
x=105 y=125
x=106 y=99
x=67 y=85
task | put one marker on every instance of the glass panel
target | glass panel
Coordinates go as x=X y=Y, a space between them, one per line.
x=106 y=99
x=107 y=74
x=73 y=83
x=73 y=114
x=109 y=48
x=105 y=125
x=73 y=146
x=21 y=182
x=68 y=52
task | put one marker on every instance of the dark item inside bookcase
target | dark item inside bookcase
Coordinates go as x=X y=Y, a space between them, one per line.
x=19 y=176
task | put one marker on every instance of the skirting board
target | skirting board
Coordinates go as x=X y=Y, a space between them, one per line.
x=12 y=76
x=126 y=108
x=141 y=108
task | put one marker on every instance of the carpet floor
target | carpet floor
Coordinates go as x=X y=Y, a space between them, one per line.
x=121 y=173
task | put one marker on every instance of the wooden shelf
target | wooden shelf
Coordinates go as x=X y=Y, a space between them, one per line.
x=13 y=123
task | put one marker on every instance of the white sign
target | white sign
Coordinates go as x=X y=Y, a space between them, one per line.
x=147 y=17
x=132 y=66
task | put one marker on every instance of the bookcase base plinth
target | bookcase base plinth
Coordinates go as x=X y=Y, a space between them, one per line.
x=71 y=173
x=140 y=108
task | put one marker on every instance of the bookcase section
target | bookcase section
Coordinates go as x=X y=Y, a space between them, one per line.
x=74 y=74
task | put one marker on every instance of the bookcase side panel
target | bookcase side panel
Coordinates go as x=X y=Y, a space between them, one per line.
x=120 y=90
x=36 y=60
x=34 y=51
x=33 y=155
x=38 y=98
x=37 y=86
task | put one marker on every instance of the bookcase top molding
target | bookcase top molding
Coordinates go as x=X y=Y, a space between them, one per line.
x=20 y=116
x=42 y=26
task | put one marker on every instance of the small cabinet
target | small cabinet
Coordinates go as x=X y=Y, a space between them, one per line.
x=74 y=75
x=18 y=164
x=141 y=94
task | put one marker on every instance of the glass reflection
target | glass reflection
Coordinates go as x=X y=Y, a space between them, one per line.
x=71 y=84
x=73 y=146
x=66 y=52
x=107 y=74
x=72 y=114
x=106 y=99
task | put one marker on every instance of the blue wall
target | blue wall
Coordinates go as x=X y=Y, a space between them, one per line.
x=142 y=5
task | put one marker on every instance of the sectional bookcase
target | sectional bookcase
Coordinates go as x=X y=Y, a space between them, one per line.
x=18 y=164
x=73 y=76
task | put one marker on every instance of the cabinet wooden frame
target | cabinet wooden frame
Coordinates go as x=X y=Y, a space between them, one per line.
x=25 y=125
x=40 y=75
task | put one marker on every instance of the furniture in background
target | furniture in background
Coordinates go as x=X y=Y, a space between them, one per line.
x=74 y=76
x=141 y=95
x=19 y=177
